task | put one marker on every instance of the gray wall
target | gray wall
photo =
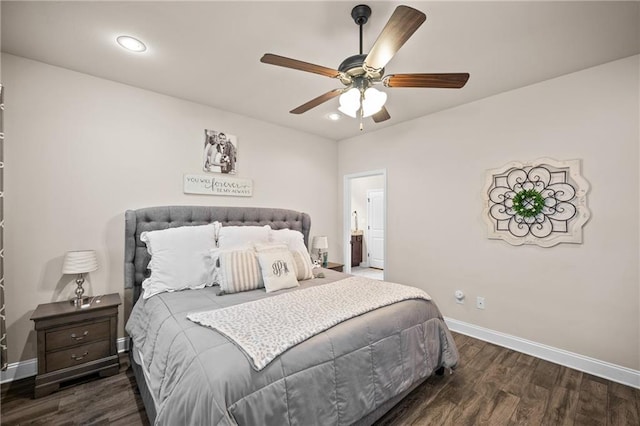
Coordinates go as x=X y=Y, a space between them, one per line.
x=81 y=150
x=580 y=298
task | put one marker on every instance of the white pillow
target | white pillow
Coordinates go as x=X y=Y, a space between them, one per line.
x=180 y=258
x=217 y=226
x=293 y=239
x=239 y=270
x=278 y=271
x=215 y=260
x=295 y=242
x=269 y=246
x=242 y=237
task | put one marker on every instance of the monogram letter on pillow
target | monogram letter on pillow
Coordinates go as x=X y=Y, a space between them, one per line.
x=278 y=270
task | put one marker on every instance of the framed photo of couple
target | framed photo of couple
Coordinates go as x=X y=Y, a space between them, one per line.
x=220 y=153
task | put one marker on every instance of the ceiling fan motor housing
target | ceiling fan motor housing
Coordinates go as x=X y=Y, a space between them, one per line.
x=353 y=67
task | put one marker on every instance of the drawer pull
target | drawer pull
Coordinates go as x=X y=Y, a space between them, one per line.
x=78 y=358
x=76 y=338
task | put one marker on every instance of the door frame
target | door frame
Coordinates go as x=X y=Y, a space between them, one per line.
x=346 y=218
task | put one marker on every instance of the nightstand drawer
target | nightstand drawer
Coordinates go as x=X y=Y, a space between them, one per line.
x=78 y=335
x=77 y=355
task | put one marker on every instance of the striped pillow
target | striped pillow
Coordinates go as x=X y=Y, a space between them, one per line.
x=239 y=271
x=302 y=264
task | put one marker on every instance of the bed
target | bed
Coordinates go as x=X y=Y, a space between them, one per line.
x=351 y=373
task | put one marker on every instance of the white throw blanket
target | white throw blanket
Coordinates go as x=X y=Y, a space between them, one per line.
x=266 y=328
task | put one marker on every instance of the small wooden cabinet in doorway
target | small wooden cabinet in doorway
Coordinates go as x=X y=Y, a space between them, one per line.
x=356 y=250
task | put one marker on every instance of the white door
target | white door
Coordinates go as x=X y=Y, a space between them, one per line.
x=375 y=228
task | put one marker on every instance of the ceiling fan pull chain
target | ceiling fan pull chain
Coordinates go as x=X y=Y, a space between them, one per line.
x=361 y=110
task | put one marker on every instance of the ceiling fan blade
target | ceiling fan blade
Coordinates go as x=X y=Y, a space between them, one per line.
x=402 y=24
x=269 y=58
x=317 y=101
x=381 y=115
x=445 y=81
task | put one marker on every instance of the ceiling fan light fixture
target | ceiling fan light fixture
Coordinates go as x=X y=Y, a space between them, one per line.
x=348 y=112
x=350 y=102
x=373 y=101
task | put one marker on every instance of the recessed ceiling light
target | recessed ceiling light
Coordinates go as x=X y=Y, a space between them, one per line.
x=132 y=44
x=334 y=116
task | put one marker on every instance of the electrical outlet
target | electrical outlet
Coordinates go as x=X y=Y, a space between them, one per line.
x=480 y=302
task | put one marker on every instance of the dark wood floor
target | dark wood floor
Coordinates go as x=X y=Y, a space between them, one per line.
x=498 y=386
x=492 y=386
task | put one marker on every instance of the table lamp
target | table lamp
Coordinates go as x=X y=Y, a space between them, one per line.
x=322 y=244
x=79 y=262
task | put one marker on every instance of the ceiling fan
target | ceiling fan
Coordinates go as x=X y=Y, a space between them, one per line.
x=359 y=73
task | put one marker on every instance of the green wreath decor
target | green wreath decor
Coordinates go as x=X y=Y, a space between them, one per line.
x=528 y=203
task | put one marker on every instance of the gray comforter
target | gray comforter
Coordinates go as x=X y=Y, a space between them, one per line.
x=198 y=377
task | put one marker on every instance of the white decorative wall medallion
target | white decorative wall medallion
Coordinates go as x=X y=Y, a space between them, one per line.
x=541 y=202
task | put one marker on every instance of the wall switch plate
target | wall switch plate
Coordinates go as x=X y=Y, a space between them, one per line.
x=480 y=302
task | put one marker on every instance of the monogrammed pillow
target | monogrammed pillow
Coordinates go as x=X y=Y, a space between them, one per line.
x=278 y=271
x=294 y=241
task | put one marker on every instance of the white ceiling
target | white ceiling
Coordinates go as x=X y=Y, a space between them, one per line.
x=208 y=52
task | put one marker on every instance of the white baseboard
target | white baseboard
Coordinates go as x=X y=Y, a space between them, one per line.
x=22 y=369
x=606 y=370
x=19 y=370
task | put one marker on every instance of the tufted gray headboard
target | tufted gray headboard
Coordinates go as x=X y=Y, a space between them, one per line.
x=136 y=256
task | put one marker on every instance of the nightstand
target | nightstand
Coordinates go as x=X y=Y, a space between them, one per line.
x=335 y=266
x=74 y=342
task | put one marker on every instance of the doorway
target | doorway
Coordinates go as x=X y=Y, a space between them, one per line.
x=375 y=228
x=364 y=223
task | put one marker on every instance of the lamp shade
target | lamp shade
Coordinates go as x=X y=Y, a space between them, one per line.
x=80 y=262
x=350 y=102
x=320 y=242
x=373 y=101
